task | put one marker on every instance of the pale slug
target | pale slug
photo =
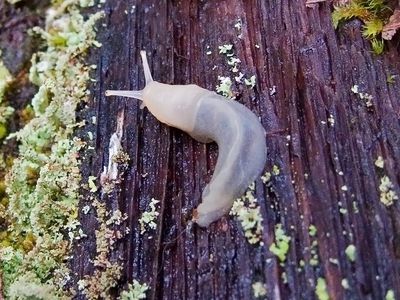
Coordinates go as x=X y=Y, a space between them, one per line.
x=207 y=117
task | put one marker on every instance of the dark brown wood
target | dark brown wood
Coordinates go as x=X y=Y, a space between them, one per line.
x=313 y=68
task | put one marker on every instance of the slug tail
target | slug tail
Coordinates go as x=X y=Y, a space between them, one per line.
x=146 y=68
x=129 y=94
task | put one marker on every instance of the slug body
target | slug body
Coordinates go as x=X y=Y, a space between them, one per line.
x=207 y=117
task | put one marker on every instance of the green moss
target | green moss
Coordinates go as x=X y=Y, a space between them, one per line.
x=373 y=13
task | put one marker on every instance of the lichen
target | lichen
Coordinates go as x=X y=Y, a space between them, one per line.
x=390 y=295
x=135 y=291
x=259 y=289
x=387 y=193
x=148 y=218
x=351 y=252
x=281 y=245
x=43 y=183
x=225 y=87
x=247 y=211
x=5 y=111
x=379 y=162
x=107 y=271
x=321 y=289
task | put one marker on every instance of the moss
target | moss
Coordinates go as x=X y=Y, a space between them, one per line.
x=42 y=185
x=373 y=13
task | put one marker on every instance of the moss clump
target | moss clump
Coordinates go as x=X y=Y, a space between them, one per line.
x=373 y=13
x=42 y=185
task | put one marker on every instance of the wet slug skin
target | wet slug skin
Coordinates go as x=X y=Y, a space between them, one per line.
x=207 y=117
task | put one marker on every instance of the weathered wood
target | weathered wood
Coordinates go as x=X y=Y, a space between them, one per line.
x=313 y=68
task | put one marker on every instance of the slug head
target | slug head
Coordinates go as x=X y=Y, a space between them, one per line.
x=174 y=105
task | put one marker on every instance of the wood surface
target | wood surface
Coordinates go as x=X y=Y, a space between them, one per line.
x=313 y=68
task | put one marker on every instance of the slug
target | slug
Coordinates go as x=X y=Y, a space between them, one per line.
x=207 y=116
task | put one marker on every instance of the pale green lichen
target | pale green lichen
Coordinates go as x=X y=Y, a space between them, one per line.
x=226 y=49
x=92 y=185
x=345 y=284
x=351 y=252
x=259 y=289
x=387 y=193
x=251 y=82
x=135 y=291
x=43 y=183
x=225 y=87
x=281 y=245
x=5 y=111
x=367 y=98
x=321 y=290
x=390 y=295
x=148 y=218
x=379 y=162
x=247 y=211
x=107 y=272
x=312 y=230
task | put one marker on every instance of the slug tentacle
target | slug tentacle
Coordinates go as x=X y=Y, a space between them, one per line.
x=146 y=68
x=129 y=94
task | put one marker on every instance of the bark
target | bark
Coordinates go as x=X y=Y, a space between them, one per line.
x=313 y=68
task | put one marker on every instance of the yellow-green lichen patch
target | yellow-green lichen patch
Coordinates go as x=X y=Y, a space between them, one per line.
x=281 y=245
x=351 y=252
x=148 y=218
x=379 y=162
x=387 y=194
x=259 y=289
x=312 y=230
x=43 y=183
x=321 y=289
x=390 y=295
x=5 y=111
x=226 y=84
x=247 y=211
x=107 y=271
x=135 y=291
